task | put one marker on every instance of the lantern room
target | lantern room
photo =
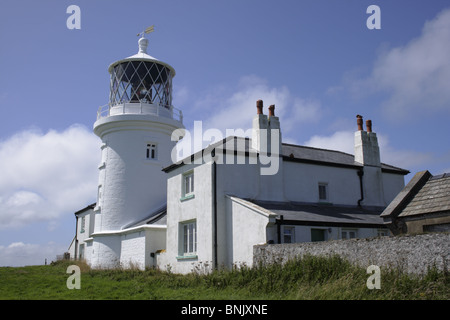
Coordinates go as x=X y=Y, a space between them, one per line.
x=140 y=84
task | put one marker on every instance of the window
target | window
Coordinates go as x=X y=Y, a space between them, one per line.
x=83 y=224
x=188 y=184
x=323 y=192
x=151 y=151
x=189 y=241
x=288 y=235
x=382 y=233
x=348 y=234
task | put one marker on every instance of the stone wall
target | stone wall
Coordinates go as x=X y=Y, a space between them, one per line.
x=411 y=253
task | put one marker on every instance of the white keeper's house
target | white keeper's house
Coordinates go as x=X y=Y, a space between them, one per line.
x=215 y=205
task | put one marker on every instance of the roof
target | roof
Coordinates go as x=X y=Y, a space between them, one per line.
x=324 y=214
x=142 y=56
x=290 y=152
x=328 y=157
x=157 y=217
x=434 y=196
x=423 y=194
x=91 y=206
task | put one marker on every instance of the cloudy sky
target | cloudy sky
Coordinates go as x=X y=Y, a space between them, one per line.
x=315 y=60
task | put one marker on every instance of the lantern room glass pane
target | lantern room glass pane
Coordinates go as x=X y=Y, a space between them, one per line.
x=141 y=81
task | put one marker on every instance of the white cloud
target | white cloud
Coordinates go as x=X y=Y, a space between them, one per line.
x=46 y=175
x=340 y=141
x=415 y=76
x=21 y=254
x=237 y=109
x=227 y=110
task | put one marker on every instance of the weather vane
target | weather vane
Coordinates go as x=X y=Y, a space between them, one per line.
x=147 y=30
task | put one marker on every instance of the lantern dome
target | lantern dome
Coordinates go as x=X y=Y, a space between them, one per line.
x=141 y=78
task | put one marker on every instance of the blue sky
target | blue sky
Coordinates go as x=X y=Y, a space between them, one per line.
x=315 y=60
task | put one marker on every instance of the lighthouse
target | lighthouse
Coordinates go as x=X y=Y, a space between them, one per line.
x=135 y=128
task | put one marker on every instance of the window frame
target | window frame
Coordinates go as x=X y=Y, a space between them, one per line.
x=291 y=234
x=348 y=231
x=151 y=151
x=323 y=185
x=188 y=243
x=187 y=185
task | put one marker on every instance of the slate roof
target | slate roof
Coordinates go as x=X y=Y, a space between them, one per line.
x=324 y=214
x=291 y=152
x=434 y=196
x=157 y=217
x=330 y=157
x=424 y=194
x=91 y=206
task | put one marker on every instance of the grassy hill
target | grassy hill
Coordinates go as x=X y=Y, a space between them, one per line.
x=308 y=278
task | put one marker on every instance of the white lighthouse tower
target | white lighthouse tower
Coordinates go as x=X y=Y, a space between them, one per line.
x=135 y=128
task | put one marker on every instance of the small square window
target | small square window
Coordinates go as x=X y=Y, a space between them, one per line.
x=151 y=151
x=323 y=192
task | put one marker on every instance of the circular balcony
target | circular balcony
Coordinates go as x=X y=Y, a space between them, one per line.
x=141 y=107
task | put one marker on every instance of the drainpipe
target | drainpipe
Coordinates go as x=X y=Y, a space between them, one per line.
x=360 y=175
x=76 y=239
x=279 y=222
x=213 y=154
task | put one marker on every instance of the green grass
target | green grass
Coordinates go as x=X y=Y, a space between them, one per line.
x=308 y=278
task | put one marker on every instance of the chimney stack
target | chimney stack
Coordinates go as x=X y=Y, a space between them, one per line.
x=259 y=107
x=272 y=110
x=367 y=151
x=359 y=122
x=266 y=133
x=369 y=125
x=260 y=126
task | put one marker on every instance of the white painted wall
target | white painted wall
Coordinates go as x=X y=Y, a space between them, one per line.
x=129 y=248
x=302 y=183
x=133 y=250
x=105 y=252
x=392 y=185
x=247 y=226
x=198 y=208
x=131 y=185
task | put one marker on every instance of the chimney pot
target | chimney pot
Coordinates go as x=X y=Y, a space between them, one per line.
x=359 y=122
x=272 y=110
x=369 y=125
x=259 y=107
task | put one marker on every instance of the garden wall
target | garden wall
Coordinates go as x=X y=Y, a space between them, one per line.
x=411 y=253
